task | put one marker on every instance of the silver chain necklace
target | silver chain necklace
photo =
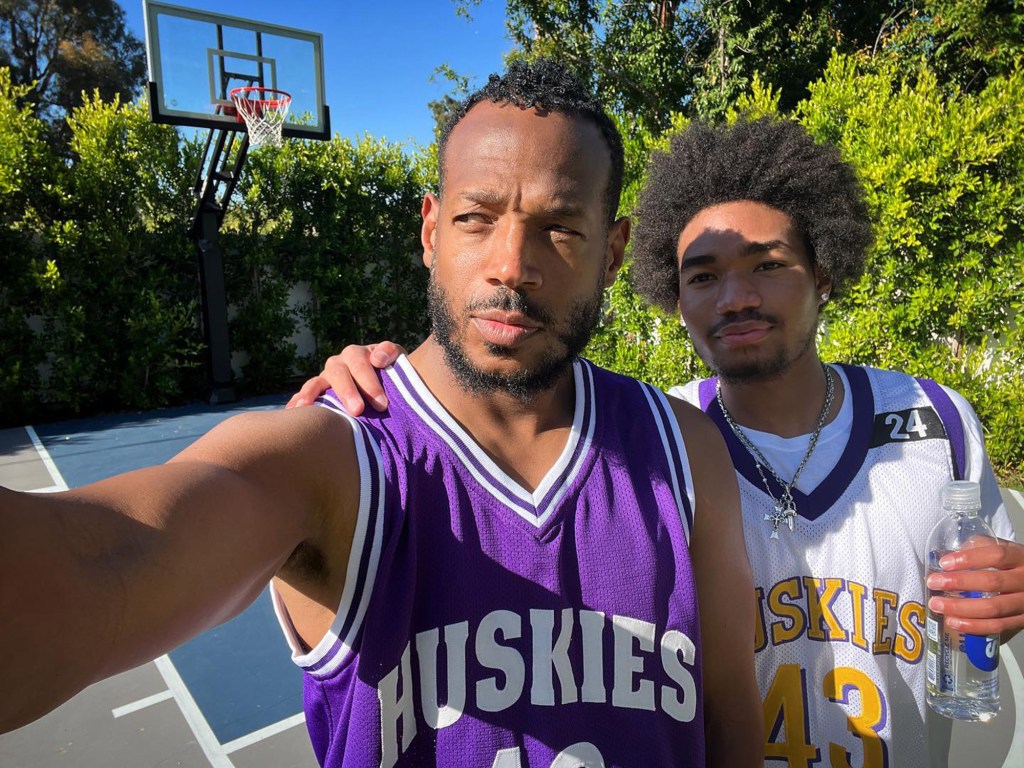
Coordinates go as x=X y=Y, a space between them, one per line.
x=785 y=507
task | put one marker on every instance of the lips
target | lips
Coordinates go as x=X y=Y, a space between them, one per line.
x=740 y=333
x=504 y=329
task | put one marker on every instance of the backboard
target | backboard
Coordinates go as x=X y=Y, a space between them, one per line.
x=196 y=57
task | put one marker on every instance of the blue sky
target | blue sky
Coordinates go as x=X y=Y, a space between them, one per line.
x=379 y=56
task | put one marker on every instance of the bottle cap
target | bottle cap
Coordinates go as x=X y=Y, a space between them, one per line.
x=961 y=493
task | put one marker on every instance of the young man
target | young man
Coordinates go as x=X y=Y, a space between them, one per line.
x=503 y=570
x=748 y=231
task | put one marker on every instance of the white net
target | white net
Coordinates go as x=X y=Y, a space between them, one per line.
x=264 y=111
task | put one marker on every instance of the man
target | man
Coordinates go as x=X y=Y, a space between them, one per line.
x=748 y=231
x=503 y=570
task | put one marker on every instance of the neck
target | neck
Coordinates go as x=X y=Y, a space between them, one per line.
x=787 y=405
x=525 y=438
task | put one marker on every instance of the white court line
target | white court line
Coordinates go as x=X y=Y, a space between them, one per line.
x=49 y=489
x=135 y=706
x=1015 y=753
x=264 y=733
x=193 y=716
x=44 y=456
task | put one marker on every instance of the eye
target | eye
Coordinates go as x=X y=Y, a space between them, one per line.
x=700 y=277
x=769 y=266
x=562 y=232
x=471 y=221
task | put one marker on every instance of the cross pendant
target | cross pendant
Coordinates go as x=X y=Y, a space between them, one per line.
x=784 y=512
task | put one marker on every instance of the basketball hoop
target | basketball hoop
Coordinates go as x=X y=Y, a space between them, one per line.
x=264 y=111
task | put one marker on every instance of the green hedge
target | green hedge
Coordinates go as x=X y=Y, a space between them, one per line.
x=98 y=302
x=98 y=299
x=944 y=289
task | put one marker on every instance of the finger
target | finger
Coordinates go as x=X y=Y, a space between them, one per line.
x=1000 y=555
x=995 y=607
x=354 y=369
x=985 y=616
x=384 y=354
x=340 y=379
x=309 y=392
x=990 y=581
x=987 y=626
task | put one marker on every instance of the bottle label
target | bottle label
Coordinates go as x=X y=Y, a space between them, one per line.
x=982 y=650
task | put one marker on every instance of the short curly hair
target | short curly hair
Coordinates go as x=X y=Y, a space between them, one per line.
x=769 y=161
x=548 y=85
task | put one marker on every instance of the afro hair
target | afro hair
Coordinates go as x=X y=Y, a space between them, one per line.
x=773 y=162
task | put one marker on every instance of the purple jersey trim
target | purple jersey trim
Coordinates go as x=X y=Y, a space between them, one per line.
x=706 y=392
x=813 y=505
x=951 y=422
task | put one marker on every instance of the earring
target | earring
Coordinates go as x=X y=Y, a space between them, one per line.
x=824 y=297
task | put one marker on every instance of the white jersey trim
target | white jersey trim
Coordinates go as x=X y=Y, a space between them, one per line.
x=336 y=645
x=674 y=447
x=538 y=506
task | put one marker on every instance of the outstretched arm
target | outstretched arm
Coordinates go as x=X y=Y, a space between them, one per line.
x=102 y=578
x=353 y=376
x=733 y=718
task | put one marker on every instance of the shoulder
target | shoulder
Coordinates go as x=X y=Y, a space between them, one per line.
x=313 y=434
x=690 y=391
x=705 y=447
x=882 y=380
x=933 y=392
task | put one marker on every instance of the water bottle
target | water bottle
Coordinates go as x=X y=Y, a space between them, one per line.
x=962 y=670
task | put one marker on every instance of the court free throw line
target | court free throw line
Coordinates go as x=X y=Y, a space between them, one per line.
x=135 y=706
x=264 y=733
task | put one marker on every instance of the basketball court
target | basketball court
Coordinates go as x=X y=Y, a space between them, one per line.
x=232 y=697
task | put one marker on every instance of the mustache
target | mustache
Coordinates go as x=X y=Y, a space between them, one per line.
x=750 y=315
x=507 y=300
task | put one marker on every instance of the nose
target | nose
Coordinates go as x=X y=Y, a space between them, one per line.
x=736 y=293
x=514 y=261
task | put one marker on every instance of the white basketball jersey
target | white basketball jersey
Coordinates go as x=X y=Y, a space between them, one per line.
x=840 y=598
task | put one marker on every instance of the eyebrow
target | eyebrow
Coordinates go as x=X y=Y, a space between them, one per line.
x=749 y=249
x=558 y=210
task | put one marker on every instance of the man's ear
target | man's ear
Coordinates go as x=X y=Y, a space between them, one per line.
x=618 y=238
x=428 y=232
x=823 y=286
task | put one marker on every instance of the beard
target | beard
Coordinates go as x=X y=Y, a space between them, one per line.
x=571 y=337
x=758 y=369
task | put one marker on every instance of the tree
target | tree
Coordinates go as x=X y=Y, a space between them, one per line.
x=650 y=60
x=27 y=175
x=443 y=108
x=965 y=43
x=64 y=47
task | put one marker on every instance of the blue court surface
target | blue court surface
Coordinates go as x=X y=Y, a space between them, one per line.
x=232 y=697
x=238 y=695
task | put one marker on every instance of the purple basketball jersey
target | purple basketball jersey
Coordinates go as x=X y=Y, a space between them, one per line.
x=487 y=626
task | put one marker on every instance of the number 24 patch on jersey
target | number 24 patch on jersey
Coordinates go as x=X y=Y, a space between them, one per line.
x=904 y=426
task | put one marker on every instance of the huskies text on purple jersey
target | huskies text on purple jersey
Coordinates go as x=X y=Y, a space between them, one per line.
x=489 y=626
